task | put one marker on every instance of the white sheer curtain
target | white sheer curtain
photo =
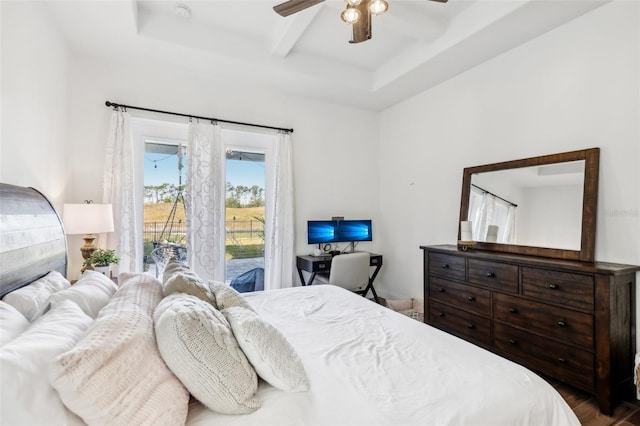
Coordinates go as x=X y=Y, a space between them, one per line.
x=509 y=234
x=119 y=190
x=483 y=217
x=279 y=244
x=205 y=201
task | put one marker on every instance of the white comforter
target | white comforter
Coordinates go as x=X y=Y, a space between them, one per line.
x=368 y=365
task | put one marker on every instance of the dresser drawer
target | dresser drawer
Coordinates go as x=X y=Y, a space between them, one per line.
x=462 y=296
x=562 y=324
x=464 y=324
x=499 y=276
x=557 y=359
x=448 y=266
x=575 y=290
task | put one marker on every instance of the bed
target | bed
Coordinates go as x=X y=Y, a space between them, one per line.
x=364 y=364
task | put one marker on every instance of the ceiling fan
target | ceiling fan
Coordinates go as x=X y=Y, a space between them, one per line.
x=358 y=13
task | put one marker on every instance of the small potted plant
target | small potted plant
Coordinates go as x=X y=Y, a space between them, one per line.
x=100 y=260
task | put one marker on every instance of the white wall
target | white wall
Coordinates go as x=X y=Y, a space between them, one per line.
x=575 y=87
x=34 y=93
x=335 y=147
x=547 y=216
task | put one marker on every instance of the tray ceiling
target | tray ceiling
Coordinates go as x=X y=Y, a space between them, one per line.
x=417 y=44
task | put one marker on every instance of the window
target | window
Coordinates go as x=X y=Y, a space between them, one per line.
x=161 y=194
x=245 y=211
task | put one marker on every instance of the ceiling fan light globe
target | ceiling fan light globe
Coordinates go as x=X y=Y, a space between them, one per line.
x=353 y=2
x=350 y=15
x=378 y=7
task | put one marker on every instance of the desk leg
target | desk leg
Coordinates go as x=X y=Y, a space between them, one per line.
x=371 y=280
x=375 y=274
x=311 y=278
x=373 y=290
x=301 y=277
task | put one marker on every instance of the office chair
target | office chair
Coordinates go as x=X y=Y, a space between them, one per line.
x=351 y=271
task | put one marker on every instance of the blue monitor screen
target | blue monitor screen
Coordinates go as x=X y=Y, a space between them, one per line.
x=322 y=231
x=355 y=230
x=338 y=231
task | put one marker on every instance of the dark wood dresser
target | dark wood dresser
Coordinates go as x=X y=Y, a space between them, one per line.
x=573 y=321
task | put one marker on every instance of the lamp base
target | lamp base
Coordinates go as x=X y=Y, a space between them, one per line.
x=87 y=249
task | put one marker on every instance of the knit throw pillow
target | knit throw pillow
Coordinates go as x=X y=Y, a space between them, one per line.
x=179 y=278
x=115 y=374
x=197 y=344
x=273 y=357
x=227 y=296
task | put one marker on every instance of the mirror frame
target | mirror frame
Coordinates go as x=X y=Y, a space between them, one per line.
x=589 y=204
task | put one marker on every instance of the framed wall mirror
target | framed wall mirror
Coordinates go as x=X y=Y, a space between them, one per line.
x=542 y=206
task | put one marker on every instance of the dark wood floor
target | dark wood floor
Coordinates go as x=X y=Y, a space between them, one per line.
x=584 y=405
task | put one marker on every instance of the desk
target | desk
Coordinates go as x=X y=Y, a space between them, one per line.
x=317 y=264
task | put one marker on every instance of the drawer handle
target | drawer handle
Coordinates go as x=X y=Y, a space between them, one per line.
x=562 y=323
x=471 y=326
x=553 y=286
x=471 y=298
x=562 y=360
x=491 y=274
x=445 y=265
x=513 y=341
x=441 y=290
x=441 y=314
x=513 y=310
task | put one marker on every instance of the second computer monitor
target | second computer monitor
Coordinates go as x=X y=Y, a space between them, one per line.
x=355 y=230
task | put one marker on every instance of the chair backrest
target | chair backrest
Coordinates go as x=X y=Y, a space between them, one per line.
x=350 y=270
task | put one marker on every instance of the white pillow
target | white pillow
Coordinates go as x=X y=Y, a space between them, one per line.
x=27 y=397
x=114 y=374
x=12 y=323
x=198 y=346
x=270 y=353
x=91 y=292
x=32 y=300
x=227 y=296
x=172 y=267
x=181 y=279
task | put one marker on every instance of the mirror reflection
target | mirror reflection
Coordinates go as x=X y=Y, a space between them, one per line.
x=530 y=206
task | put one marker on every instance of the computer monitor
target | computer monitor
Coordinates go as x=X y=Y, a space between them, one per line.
x=322 y=231
x=355 y=230
x=338 y=231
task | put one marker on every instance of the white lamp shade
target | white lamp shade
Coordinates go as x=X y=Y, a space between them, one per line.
x=87 y=218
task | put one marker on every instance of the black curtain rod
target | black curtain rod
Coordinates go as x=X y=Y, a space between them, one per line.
x=114 y=105
x=497 y=196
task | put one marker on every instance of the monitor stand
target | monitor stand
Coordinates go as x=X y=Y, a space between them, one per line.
x=352 y=247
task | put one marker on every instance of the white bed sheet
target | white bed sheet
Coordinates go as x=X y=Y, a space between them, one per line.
x=368 y=365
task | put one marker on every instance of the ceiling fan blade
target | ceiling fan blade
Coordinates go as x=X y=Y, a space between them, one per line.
x=292 y=6
x=440 y=1
x=362 y=28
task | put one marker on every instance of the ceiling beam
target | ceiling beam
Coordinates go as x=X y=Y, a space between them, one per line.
x=291 y=29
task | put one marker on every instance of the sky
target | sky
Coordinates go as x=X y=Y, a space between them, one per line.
x=244 y=172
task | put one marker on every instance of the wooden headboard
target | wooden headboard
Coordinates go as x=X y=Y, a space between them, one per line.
x=32 y=239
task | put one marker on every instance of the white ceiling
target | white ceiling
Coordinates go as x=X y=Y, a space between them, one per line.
x=416 y=44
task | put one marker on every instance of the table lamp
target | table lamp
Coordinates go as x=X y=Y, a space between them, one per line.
x=87 y=219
